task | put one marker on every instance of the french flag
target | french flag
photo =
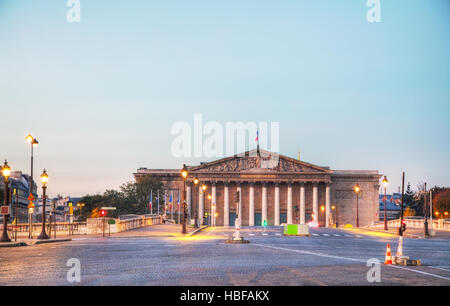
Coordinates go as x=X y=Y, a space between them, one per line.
x=257 y=135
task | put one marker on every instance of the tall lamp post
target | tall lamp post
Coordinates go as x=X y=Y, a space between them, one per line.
x=33 y=143
x=80 y=207
x=333 y=207
x=357 y=190
x=184 y=174
x=6 y=171
x=203 y=189
x=385 y=183
x=425 y=215
x=195 y=181
x=44 y=180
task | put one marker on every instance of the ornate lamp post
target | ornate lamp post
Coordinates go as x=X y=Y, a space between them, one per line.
x=195 y=181
x=6 y=171
x=357 y=189
x=204 y=189
x=385 y=183
x=333 y=207
x=44 y=180
x=184 y=174
x=33 y=143
x=80 y=207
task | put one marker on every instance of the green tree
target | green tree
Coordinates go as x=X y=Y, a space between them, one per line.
x=132 y=198
x=441 y=201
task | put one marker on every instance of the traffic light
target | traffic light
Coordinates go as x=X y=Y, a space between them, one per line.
x=103 y=212
x=403 y=225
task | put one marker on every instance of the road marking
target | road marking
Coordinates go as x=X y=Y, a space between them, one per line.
x=264 y=234
x=421 y=272
x=278 y=234
x=439 y=268
x=351 y=259
x=315 y=234
x=326 y=235
x=337 y=235
x=252 y=234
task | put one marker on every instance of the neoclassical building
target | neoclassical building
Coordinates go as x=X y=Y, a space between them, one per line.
x=260 y=185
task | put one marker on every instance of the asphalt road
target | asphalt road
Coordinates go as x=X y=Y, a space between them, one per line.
x=159 y=256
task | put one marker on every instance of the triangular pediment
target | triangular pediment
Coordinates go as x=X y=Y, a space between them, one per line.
x=259 y=161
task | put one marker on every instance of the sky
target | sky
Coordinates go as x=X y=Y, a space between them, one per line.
x=102 y=95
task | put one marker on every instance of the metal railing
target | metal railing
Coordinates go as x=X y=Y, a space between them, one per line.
x=439 y=224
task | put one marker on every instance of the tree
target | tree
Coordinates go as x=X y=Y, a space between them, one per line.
x=132 y=198
x=441 y=200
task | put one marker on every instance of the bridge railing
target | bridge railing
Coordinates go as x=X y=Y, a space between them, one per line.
x=91 y=226
x=440 y=224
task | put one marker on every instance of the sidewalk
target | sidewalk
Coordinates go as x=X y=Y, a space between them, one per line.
x=415 y=233
x=27 y=242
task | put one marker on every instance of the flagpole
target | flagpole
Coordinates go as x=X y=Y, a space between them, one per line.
x=158 y=201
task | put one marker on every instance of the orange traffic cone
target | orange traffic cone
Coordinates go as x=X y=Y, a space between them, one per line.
x=388 y=260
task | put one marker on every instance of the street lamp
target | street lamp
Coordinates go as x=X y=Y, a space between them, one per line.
x=196 y=181
x=385 y=183
x=6 y=171
x=44 y=180
x=357 y=190
x=333 y=207
x=33 y=143
x=184 y=174
x=322 y=209
x=210 y=209
x=80 y=206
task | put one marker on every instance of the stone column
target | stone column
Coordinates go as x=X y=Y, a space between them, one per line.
x=264 y=203
x=226 y=205
x=239 y=189
x=289 y=204
x=277 y=205
x=315 y=203
x=213 y=203
x=302 y=203
x=188 y=201
x=327 y=205
x=251 y=212
x=201 y=212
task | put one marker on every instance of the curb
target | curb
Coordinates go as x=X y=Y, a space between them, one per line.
x=197 y=230
x=14 y=244
x=404 y=235
x=49 y=241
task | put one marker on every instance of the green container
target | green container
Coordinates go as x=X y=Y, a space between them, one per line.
x=291 y=229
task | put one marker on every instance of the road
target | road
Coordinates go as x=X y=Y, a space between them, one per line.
x=158 y=255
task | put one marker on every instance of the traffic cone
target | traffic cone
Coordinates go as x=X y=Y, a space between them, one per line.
x=400 y=247
x=388 y=260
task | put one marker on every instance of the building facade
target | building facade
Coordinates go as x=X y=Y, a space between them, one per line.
x=263 y=186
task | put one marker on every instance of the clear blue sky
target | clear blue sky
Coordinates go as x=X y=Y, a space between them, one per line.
x=101 y=95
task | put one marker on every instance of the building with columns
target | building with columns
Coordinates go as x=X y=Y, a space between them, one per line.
x=260 y=185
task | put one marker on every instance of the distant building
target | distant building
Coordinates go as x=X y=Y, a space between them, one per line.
x=272 y=188
x=393 y=208
x=19 y=191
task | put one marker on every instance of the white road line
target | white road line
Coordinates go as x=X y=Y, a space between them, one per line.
x=252 y=234
x=278 y=234
x=337 y=235
x=351 y=259
x=315 y=234
x=439 y=268
x=264 y=234
x=421 y=272
x=325 y=235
